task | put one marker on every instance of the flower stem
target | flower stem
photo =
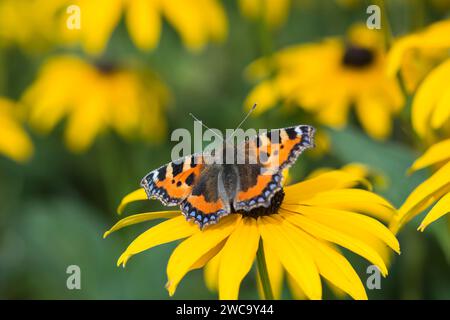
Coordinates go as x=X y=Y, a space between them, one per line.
x=262 y=271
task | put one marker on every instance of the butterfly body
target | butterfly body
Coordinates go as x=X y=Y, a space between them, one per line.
x=237 y=178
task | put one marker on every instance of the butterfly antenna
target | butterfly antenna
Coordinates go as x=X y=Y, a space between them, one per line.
x=215 y=133
x=242 y=122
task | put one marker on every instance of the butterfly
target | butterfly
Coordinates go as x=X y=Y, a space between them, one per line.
x=206 y=190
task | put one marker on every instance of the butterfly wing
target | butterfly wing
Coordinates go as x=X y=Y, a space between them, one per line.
x=271 y=152
x=173 y=182
x=207 y=202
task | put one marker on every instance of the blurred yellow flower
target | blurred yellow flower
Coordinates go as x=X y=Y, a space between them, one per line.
x=272 y=12
x=32 y=21
x=196 y=21
x=416 y=54
x=27 y=23
x=93 y=98
x=430 y=107
x=14 y=141
x=327 y=78
x=299 y=237
x=433 y=192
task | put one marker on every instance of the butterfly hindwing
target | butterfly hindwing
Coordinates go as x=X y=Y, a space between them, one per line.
x=255 y=189
x=205 y=205
x=274 y=151
x=173 y=182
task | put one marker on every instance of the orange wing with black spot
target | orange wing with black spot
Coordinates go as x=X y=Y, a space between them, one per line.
x=206 y=205
x=269 y=153
x=173 y=182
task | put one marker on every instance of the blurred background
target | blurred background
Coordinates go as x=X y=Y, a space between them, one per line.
x=86 y=113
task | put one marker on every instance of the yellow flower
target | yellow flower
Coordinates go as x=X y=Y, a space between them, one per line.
x=196 y=21
x=272 y=12
x=14 y=141
x=416 y=54
x=360 y=173
x=94 y=98
x=38 y=23
x=328 y=77
x=433 y=192
x=430 y=107
x=430 y=114
x=27 y=23
x=300 y=237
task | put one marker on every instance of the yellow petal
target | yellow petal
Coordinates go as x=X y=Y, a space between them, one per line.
x=191 y=21
x=265 y=95
x=441 y=113
x=191 y=250
x=353 y=200
x=211 y=272
x=427 y=96
x=237 y=258
x=136 y=195
x=164 y=232
x=435 y=154
x=276 y=11
x=98 y=20
x=204 y=259
x=375 y=117
x=215 y=19
x=441 y=208
x=144 y=23
x=87 y=120
x=350 y=223
x=279 y=236
x=275 y=271
x=141 y=217
x=333 y=266
x=331 y=180
x=396 y=53
x=296 y=291
x=14 y=140
x=330 y=234
x=426 y=190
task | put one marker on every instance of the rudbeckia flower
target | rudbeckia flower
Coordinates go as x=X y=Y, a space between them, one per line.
x=430 y=107
x=414 y=55
x=277 y=273
x=327 y=78
x=14 y=141
x=431 y=115
x=301 y=234
x=94 y=98
x=32 y=23
x=196 y=21
x=272 y=12
x=433 y=193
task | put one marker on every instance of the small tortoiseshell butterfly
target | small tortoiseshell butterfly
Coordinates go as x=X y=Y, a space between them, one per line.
x=207 y=191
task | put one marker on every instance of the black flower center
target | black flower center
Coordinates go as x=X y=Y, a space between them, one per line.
x=275 y=204
x=357 y=57
x=105 y=66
